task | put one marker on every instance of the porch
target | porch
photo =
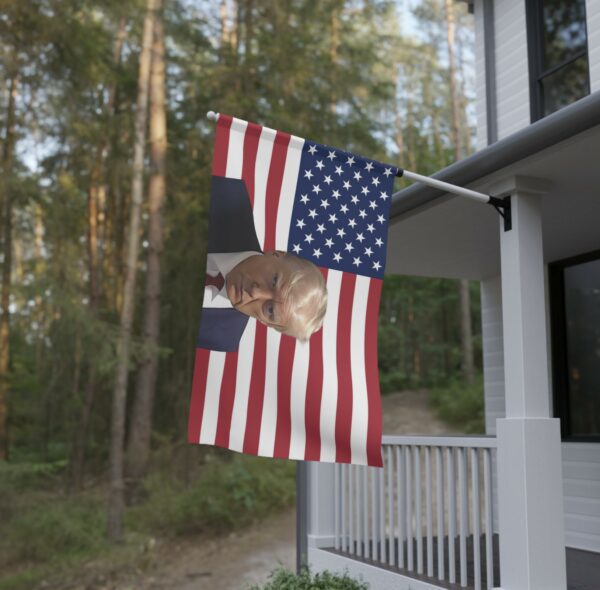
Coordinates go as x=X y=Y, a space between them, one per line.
x=412 y=524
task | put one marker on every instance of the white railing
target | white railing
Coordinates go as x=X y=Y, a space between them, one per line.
x=419 y=513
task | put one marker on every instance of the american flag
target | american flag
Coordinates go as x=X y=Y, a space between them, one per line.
x=277 y=396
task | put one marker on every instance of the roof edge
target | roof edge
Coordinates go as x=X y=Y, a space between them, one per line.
x=561 y=125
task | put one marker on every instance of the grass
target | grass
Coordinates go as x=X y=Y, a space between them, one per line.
x=45 y=531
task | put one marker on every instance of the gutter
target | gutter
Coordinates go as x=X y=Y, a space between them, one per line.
x=561 y=125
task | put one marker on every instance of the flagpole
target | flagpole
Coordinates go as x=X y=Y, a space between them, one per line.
x=501 y=205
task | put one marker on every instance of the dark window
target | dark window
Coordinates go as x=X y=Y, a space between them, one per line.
x=558 y=56
x=575 y=313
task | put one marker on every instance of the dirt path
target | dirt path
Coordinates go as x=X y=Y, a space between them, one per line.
x=236 y=561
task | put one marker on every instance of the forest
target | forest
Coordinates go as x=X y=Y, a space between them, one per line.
x=106 y=153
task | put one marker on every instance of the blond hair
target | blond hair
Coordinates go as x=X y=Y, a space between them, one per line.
x=305 y=299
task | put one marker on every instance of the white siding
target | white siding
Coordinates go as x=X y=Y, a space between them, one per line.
x=592 y=8
x=480 y=93
x=493 y=352
x=580 y=461
x=493 y=367
x=581 y=488
x=512 y=70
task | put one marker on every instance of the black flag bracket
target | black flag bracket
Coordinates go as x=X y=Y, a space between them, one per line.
x=502 y=205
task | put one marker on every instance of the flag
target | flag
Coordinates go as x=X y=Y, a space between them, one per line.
x=277 y=396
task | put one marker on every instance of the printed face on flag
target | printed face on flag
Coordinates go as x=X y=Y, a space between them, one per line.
x=286 y=357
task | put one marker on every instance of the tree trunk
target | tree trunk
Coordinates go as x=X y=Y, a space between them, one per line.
x=96 y=229
x=466 y=334
x=6 y=209
x=117 y=499
x=141 y=420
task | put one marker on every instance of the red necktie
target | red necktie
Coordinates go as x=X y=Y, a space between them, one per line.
x=217 y=281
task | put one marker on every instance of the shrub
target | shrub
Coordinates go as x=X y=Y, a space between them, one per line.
x=461 y=405
x=282 y=579
x=226 y=495
x=63 y=528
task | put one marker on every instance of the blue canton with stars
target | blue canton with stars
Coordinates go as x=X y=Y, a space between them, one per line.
x=341 y=210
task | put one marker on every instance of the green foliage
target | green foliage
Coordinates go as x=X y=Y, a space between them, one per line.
x=419 y=332
x=282 y=579
x=65 y=529
x=226 y=495
x=41 y=526
x=461 y=405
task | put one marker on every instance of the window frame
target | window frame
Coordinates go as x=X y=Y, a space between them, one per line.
x=534 y=24
x=558 y=332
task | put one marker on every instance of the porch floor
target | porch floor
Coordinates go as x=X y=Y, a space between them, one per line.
x=583 y=567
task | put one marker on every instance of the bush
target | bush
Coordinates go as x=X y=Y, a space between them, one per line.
x=461 y=405
x=226 y=495
x=282 y=579
x=62 y=528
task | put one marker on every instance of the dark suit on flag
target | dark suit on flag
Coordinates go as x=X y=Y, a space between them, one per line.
x=230 y=229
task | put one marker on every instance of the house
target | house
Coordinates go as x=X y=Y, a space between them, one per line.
x=518 y=508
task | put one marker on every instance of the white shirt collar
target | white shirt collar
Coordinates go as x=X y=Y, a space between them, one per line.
x=222 y=263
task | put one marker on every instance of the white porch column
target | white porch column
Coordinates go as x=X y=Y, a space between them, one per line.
x=530 y=496
x=321 y=506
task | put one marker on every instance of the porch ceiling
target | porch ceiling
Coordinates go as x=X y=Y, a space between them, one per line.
x=455 y=237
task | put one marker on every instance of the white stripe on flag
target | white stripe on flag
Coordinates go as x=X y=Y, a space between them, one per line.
x=261 y=176
x=298 y=399
x=242 y=387
x=268 y=424
x=208 y=430
x=235 y=151
x=360 y=401
x=330 y=385
x=288 y=190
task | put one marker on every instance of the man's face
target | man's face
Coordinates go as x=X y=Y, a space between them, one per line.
x=254 y=286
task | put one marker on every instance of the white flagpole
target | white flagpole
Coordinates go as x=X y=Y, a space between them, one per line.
x=440 y=184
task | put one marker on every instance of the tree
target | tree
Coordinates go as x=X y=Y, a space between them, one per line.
x=466 y=333
x=141 y=417
x=116 y=498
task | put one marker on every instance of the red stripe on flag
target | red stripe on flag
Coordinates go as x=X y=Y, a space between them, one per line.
x=198 y=394
x=251 y=138
x=372 y=375
x=274 y=182
x=283 y=432
x=314 y=394
x=312 y=405
x=343 y=418
x=256 y=392
x=226 y=397
x=219 y=163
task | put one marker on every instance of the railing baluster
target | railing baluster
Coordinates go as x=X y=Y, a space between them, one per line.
x=382 y=551
x=351 y=490
x=401 y=503
x=336 y=502
x=462 y=483
x=439 y=476
x=344 y=505
x=374 y=513
x=418 y=526
x=369 y=502
x=489 y=532
x=409 y=519
x=359 y=521
x=365 y=512
x=451 y=517
x=476 y=517
x=429 y=511
x=391 y=554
